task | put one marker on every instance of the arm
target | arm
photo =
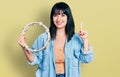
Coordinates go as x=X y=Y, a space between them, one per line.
x=79 y=50
x=28 y=54
x=86 y=50
x=84 y=35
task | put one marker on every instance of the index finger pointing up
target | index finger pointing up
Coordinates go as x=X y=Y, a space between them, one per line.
x=81 y=26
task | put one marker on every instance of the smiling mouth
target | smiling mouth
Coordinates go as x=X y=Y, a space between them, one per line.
x=59 y=23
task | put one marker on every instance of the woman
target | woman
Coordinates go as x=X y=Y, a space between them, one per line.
x=66 y=49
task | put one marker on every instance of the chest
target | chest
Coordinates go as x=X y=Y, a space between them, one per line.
x=59 y=49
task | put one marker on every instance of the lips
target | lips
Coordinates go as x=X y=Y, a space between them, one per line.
x=59 y=23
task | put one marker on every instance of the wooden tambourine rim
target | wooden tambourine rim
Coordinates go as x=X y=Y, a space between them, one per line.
x=46 y=29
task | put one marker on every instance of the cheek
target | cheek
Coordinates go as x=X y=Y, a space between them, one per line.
x=65 y=19
x=53 y=20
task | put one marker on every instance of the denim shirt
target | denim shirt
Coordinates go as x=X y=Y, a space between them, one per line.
x=74 y=55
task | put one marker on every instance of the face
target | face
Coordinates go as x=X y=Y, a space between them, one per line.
x=60 y=19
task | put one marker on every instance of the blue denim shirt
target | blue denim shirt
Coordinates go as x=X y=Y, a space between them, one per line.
x=74 y=55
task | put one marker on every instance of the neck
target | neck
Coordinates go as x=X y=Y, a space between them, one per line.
x=60 y=32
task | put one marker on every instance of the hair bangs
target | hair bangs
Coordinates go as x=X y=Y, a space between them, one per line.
x=57 y=9
x=60 y=8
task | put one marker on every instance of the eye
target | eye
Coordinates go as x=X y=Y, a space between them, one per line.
x=63 y=15
x=54 y=15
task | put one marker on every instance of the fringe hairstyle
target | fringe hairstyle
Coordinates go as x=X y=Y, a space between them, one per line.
x=69 y=29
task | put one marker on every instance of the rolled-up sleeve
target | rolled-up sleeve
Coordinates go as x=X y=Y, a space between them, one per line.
x=83 y=56
x=37 y=55
x=86 y=56
x=35 y=61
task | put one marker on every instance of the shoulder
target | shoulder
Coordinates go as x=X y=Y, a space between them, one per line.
x=76 y=41
x=39 y=41
x=42 y=36
x=76 y=37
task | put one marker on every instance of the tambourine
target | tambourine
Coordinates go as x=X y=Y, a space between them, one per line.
x=46 y=29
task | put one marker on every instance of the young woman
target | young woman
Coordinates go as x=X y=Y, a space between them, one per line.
x=66 y=49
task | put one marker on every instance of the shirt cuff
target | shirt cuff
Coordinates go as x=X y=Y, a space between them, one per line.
x=34 y=61
x=87 y=52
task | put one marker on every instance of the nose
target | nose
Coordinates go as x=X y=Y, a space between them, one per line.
x=58 y=17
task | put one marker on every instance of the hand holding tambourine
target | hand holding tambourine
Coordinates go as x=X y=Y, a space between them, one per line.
x=22 y=41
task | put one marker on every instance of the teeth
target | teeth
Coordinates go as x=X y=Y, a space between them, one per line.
x=59 y=23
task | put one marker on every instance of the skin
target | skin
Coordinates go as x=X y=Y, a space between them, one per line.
x=60 y=21
x=84 y=35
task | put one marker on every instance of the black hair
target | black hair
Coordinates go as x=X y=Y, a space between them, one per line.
x=69 y=28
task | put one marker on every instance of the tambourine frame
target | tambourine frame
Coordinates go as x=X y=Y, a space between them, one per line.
x=46 y=29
